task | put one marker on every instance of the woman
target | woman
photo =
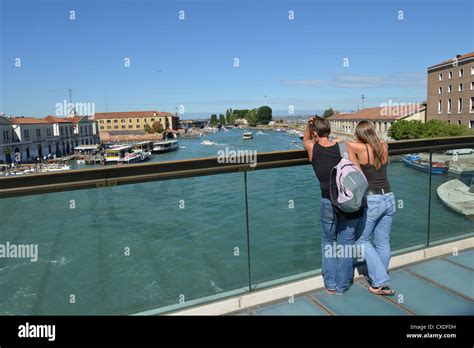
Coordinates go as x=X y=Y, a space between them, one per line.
x=372 y=155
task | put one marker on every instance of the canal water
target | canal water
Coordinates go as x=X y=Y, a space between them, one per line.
x=128 y=249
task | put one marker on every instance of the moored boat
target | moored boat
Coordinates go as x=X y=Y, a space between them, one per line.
x=424 y=166
x=457 y=196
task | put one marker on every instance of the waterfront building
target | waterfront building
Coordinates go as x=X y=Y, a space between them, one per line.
x=451 y=91
x=134 y=120
x=382 y=117
x=51 y=136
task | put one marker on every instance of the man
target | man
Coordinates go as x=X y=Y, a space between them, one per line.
x=324 y=154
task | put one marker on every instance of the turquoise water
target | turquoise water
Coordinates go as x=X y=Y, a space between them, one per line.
x=131 y=248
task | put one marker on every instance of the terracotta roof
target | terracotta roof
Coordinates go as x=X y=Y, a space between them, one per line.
x=381 y=113
x=130 y=114
x=77 y=119
x=54 y=119
x=27 y=120
x=459 y=58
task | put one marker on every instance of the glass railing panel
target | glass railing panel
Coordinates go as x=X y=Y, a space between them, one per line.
x=126 y=249
x=285 y=230
x=452 y=196
x=409 y=181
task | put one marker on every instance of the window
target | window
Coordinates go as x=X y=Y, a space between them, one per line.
x=459 y=105
x=138 y=120
x=472 y=86
x=122 y=120
x=81 y=130
x=440 y=77
x=101 y=127
x=152 y=120
x=440 y=90
x=440 y=106
x=450 y=75
x=449 y=121
x=472 y=70
x=108 y=121
x=130 y=120
x=138 y=126
x=101 y=121
x=461 y=72
x=449 y=106
x=26 y=133
x=471 y=106
x=108 y=127
x=115 y=127
x=471 y=124
x=459 y=122
x=123 y=127
x=115 y=121
x=38 y=133
x=449 y=88
x=461 y=87
x=130 y=126
x=48 y=133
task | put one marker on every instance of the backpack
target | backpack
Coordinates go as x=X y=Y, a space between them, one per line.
x=348 y=185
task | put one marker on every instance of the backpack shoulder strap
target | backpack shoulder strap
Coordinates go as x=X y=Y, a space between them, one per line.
x=343 y=148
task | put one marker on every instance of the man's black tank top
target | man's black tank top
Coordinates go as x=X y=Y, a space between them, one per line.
x=324 y=159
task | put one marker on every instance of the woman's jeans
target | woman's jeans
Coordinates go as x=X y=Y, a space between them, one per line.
x=337 y=270
x=377 y=222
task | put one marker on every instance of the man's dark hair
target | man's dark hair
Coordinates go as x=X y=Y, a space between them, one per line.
x=320 y=126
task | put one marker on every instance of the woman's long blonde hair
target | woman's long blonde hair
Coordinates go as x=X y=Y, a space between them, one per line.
x=365 y=133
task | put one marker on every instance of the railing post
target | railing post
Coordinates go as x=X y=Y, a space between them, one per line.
x=429 y=201
x=249 y=262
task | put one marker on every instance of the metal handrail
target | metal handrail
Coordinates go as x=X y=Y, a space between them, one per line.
x=136 y=173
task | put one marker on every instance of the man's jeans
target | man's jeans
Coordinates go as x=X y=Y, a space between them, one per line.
x=337 y=271
x=377 y=223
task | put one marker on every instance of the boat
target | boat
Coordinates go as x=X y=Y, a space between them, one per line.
x=460 y=152
x=247 y=136
x=144 y=149
x=458 y=196
x=122 y=154
x=56 y=168
x=165 y=146
x=208 y=143
x=260 y=133
x=424 y=165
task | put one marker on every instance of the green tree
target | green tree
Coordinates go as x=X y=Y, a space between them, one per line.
x=264 y=114
x=213 y=120
x=228 y=116
x=251 y=117
x=147 y=128
x=222 y=119
x=328 y=112
x=431 y=129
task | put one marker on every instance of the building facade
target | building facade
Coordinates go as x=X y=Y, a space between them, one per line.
x=381 y=117
x=451 y=91
x=134 y=120
x=27 y=139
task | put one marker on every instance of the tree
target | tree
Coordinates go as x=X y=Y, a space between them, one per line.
x=213 y=120
x=251 y=117
x=417 y=130
x=264 y=114
x=147 y=128
x=328 y=112
x=228 y=116
x=221 y=119
x=157 y=127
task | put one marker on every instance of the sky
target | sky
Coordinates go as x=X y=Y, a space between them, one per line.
x=143 y=55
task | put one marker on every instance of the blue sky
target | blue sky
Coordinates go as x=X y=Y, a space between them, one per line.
x=190 y=62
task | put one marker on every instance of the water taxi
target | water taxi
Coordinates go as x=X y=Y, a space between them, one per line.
x=415 y=162
x=165 y=146
x=247 y=136
x=122 y=154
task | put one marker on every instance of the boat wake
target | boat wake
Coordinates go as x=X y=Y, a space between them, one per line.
x=211 y=143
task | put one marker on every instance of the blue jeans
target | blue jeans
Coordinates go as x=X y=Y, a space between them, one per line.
x=337 y=271
x=377 y=222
